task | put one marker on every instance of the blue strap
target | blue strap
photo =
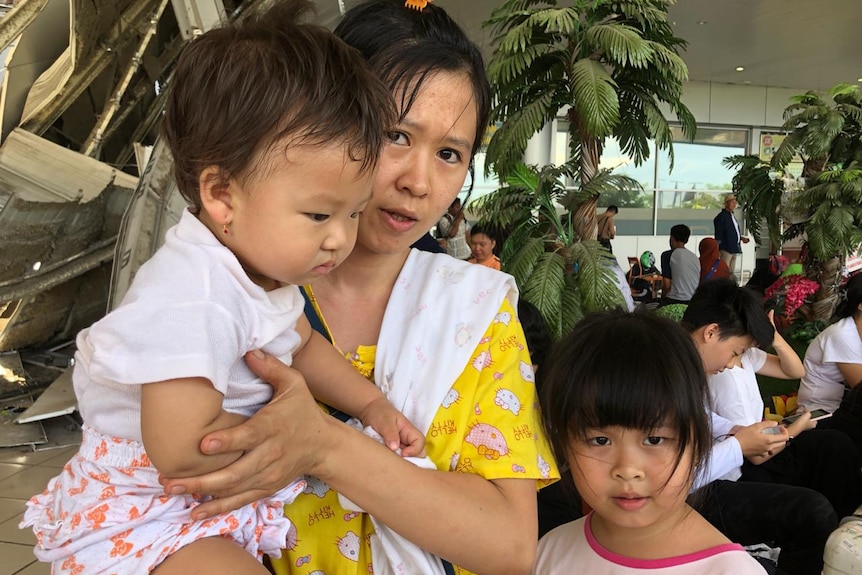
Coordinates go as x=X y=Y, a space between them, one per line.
x=317 y=325
x=712 y=270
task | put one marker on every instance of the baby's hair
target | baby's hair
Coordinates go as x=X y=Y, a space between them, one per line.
x=632 y=370
x=851 y=295
x=265 y=83
x=738 y=311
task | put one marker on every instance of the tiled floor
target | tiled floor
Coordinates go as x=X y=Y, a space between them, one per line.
x=23 y=473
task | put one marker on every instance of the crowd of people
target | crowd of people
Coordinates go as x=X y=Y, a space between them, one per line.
x=290 y=387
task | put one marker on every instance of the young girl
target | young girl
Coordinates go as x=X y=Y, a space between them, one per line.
x=275 y=128
x=633 y=432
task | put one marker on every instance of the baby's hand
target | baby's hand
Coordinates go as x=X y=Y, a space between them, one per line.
x=394 y=427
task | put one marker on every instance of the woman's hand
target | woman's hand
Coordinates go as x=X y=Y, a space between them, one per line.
x=281 y=442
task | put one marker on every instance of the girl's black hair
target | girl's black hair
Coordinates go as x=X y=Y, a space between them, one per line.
x=632 y=370
x=405 y=46
x=851 y=297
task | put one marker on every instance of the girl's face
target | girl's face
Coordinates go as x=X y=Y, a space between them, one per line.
x=423 y=167
x=628 y=477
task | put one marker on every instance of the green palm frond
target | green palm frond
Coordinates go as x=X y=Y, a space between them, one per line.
x=545 y=286
x=595 y=98
x=596 y=279
x=759 y=195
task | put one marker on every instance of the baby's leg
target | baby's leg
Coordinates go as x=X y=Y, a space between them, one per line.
x=210 y=556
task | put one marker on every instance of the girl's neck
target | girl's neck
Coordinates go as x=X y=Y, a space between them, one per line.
x=670 y=536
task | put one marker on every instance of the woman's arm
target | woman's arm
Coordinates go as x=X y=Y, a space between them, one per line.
x=481 y=525
x=852 y=373
x=175 y=416
x=786 y=364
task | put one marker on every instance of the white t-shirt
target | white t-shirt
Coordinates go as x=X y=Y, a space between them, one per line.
x=572 y=548
x=456 y=246
x=822 y=387
x=191 y=312
x=734 y=392
x=685 y=270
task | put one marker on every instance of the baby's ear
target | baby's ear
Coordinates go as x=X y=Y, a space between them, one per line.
x=216 y=191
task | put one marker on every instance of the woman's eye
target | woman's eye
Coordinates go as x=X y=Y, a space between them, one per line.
x=318 y=217
x=450 y=156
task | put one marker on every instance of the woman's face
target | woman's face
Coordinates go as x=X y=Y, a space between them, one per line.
x=423 y=166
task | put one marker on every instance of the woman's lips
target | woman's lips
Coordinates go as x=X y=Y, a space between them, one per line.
x=398 y=221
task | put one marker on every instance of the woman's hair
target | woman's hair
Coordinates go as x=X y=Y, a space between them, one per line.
x=244 y=90
x=851 y=297
x=536 y=333
x=405 y=46
x=738 y=311
x=632 y=370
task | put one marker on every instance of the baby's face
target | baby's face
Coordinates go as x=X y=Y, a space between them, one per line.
x=299 y=220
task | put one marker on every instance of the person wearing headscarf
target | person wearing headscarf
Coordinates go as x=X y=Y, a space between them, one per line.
x=711 y=265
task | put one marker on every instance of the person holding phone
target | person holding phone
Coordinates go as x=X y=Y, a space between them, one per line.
x=833 y=367
x=735 y=395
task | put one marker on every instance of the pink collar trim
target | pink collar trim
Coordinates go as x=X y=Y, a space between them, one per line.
x=652 y=563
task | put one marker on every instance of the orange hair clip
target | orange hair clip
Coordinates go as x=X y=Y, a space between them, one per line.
x=417 y=4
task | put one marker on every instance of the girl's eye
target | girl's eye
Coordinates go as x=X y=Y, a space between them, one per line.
x=599 y=441
x=450 y=156
x=654 y=440
x=318 y=217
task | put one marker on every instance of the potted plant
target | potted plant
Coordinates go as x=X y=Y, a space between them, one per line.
x=826 y=132
x=606 y=65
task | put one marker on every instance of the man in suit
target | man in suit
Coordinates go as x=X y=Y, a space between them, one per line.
x=727 y=233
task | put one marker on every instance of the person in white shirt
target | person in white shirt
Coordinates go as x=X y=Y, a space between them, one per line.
x=833 y=365
x=724 y=320
x=736 y=396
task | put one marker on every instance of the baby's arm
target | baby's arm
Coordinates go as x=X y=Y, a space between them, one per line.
x=175 y=416
x=332 y=380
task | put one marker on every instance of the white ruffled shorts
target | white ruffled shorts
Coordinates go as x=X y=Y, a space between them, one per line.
x=107 y=513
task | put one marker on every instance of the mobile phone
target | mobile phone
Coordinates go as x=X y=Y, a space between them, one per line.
x=817 y=414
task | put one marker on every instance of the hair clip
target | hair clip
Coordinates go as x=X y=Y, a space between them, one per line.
x=417 y=4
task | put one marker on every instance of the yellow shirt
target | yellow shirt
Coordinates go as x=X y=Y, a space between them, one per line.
x=489 y=424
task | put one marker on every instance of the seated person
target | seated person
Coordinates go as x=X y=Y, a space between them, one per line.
x=736 y=396
x=711 y=265
x=682 y=271
x=833 y=367
x=482 y=246
x=639 y=277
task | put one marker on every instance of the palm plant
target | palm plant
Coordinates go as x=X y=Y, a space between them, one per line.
x=827 y=134
x=561 y=275
x=608 y=63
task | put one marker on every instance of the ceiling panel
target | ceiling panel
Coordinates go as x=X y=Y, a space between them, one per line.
x=801 y=44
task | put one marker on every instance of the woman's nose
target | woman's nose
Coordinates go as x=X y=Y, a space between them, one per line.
x=416 y=175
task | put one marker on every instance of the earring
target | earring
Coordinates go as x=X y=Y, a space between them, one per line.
x=224 y=227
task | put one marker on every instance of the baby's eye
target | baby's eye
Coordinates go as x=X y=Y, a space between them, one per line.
x=355 y=215
x=318 y=217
